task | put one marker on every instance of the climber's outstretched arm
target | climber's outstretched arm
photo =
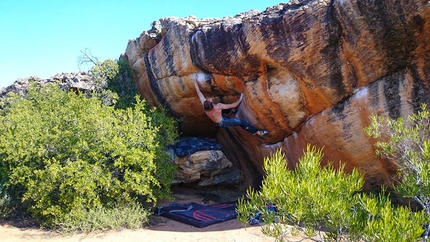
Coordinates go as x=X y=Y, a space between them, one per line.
x=199 y=93
x=232 y=105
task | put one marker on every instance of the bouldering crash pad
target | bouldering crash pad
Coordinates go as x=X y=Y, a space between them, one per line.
x=199 y=215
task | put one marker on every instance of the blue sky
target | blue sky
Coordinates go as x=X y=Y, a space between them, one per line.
x=44 y=37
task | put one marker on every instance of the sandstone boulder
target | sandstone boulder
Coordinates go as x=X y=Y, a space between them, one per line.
x=311 y=72
x=206 y=168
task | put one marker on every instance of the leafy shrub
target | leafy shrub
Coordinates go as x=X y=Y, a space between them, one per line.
x=104 y=71
x=123 y=85
x=314 y=197
x=130 y=216
x=311 y=195
x=376 y=219
x=406 y=142
x=68 y=154
x=5 y=199
x=115 y=76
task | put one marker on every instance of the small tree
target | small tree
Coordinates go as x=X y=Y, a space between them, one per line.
x=115 y=76
x=406 y=141
x=123 y=85
x=104 y=71
x=101 y=72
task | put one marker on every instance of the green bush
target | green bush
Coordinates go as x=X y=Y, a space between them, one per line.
x=130 y=216
x=68 y=154
x=406 y=142
x=311 y=195
x=314 y=197
x=5 y=199
x=376 y=219
x=5 y=205
x=123 y=85
x=117 y=77
x=102 y=72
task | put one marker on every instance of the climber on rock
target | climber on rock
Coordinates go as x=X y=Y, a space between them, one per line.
x=214 y=112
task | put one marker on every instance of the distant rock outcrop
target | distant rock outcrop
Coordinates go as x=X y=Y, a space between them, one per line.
x=311 y=72
x=78 y=81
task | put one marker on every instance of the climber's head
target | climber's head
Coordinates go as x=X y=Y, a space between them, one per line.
x=208 y=104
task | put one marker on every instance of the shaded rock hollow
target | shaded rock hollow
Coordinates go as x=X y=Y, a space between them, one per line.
x=311 y=72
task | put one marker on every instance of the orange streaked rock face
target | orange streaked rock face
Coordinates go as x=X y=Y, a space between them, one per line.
x=311 y=72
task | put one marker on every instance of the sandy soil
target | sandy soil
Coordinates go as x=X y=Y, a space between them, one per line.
x=160 y=229
x=168 y=231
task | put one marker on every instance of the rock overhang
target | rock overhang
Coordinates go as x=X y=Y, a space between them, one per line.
x=311 y=72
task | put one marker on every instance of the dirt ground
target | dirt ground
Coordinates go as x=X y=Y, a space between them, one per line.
x=161 y=229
